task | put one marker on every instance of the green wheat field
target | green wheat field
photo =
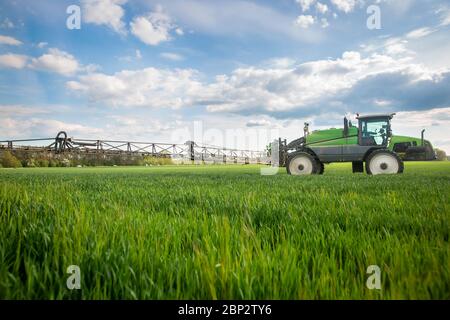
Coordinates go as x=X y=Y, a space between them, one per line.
x=224 y=232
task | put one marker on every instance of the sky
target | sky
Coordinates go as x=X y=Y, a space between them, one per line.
x=235 y=73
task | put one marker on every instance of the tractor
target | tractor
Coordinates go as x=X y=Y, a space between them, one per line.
x=370 y=143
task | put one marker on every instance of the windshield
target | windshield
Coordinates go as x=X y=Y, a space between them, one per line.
x=374 y=131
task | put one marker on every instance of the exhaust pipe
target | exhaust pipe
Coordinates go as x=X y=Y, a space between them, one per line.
x=421 y=137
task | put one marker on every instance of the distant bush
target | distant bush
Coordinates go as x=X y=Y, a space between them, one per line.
x=28 y=163
x=43 y=163
x=53 y=163
x=157 y=161
x=29 y=160
x=8 y=160
x=440 y=154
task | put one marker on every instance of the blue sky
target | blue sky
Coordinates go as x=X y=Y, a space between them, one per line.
x=235 y=72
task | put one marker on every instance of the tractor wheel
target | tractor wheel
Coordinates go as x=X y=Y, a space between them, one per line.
x=384 y=162
x=302 y=163
x=320 y=167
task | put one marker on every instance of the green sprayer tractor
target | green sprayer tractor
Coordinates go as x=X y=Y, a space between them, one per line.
x=371 y=143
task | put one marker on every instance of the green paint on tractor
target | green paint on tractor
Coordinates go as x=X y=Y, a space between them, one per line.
x=332 y=137
x=336 y=137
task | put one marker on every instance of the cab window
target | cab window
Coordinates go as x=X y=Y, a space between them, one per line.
x=374 y=132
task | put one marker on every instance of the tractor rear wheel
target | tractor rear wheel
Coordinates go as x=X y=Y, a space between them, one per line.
x=384 y=162
x=302 y=163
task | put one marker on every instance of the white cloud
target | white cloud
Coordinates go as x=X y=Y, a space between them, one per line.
x=11 y=60
x=324 y=22
x=326 y=82
x=153 y=28
x=57 y=61
x=105 y=12
x=321 y=7
x=172 y=56
x=419 y=33
x=445 y=17
x=271 y=90
x=344 y=5
x=17 y=128
x=21 y=110
x=179 y=31
x=150 y=87
x=42 y=45
x=305 y=21
x=9 y=41
x=305 y=4
x=280 y=63
x=258 y=123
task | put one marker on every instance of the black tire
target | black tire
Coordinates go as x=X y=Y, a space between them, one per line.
x=301 y=163
x=321 y=167
x=384 y=161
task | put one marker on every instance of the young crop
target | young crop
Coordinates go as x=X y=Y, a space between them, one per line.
x=223 y=232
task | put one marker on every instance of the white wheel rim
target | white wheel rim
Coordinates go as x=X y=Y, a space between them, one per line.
x=384 y=164
x=300 y=165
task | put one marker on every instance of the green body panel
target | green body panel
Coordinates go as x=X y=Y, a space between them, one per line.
x=332 y=137
x=335 y=137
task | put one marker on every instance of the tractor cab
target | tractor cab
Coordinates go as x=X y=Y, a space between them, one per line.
x=374 y=130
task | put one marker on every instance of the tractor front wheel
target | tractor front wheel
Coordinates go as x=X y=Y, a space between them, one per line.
x=384 y=162
x=301 y=163
x=320 y=168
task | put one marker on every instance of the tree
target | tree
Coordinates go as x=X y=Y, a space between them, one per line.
x=8 y=160
x=440 y=154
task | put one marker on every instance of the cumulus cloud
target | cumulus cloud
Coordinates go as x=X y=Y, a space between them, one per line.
x=150 y=87
x=280 y=63
x=14 y=61
x=57 y=61
x=383 y=80
x=154 y=28
x=305 y=4
x=321 y=7
x=105 y=12
x=9 y=41
x=347 y=83
x=344 y=5
x=305 y=21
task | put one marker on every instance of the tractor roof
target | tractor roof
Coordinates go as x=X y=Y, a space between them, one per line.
x=376 y=116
